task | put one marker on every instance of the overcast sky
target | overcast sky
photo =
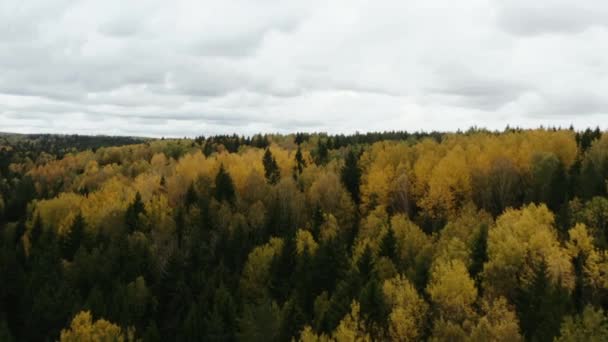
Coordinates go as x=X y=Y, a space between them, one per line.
x=185 y=68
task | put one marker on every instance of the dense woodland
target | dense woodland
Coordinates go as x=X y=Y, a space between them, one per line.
x=467 y=236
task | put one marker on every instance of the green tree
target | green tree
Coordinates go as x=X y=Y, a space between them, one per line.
x=541 y=306
x=479 y=253
x=73 y=238
x=271 y=168
x=350 y=175
x=132 y=218
x=300 y=163
x=224 y=187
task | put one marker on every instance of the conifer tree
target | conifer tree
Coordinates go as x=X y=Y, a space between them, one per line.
x=271 y=168
x=224 y=187
x=300 y=163
x=73 y=238
x=132 y=215
x=351 y=176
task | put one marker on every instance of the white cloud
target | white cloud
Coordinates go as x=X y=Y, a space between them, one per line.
x=201 y=67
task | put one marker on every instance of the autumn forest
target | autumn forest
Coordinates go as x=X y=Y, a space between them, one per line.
x=468 y=236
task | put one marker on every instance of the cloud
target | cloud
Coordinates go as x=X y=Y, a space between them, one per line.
x=200 y=67
x=551 y=16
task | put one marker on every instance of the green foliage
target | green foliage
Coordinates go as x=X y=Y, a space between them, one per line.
x=271 y=168
x=72 y=239
x=224 y=186
x=135 y=209
x=350 y=175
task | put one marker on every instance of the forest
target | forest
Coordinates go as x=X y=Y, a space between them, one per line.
x=465 y=236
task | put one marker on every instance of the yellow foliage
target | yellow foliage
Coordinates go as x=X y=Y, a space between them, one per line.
x=408 y=309
x=499 y=323
x=256 y=272
x=102 y=208
x=581 y=245
x=83 y=328
x=352 y=327
x=305 y=240
x=412 y=242
x=308 y=335
x=329 y=229
x=328 y=194
x=452 y=290
x=449 y=185
x=520 y=239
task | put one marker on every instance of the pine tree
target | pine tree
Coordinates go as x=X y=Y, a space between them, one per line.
x=132 y=215
x=73 y=238
x=36 y=231
x=351 y=176
x=541 y=306
x=373 y=305
x=224 y=187
x=300 y=163
x=292 y=321
x=282 y=269
x=388 y=245
x=191 y=196
x=271 y=168
x=322 y=153
x=479 y=254
x=365 y=265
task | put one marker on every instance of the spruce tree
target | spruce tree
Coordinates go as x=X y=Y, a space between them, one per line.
x=224 y=187
x=388 y=245
x=479 y=254
x=36 y=231
x=132 y=215
x=73 y=238
x=322 y=153
x=351 y=176
x=300 y=163
x=271 y=168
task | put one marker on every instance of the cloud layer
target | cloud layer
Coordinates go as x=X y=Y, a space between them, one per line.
x=183 y=68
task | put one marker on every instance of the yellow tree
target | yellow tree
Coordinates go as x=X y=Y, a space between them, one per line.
x=83 y=328
x=519 y=240
x=449 y=186
x=328 y=194
x=352 y=327
x=408 y=309
x=256 y=273
x=498 y=324
x=452 y=291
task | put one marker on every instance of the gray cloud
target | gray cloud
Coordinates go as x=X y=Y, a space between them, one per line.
x=551 y=16
x=200 y=67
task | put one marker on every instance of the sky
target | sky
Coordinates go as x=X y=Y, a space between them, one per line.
x=186 y=68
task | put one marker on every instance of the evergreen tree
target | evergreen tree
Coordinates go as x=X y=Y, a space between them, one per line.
x=322 y=153
x=365 y=265
x=292 y=321
x=224 y=187
x=271 y=168
x=541 y=306
x=479 y=254
x=73 y=238
x=132 y=215
x=222 y=320
x=36 y=231
x=300 y=163
x=351 y=176
x=373 y=306
x=388 y=245
x=282 y=269
x=191 y=196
